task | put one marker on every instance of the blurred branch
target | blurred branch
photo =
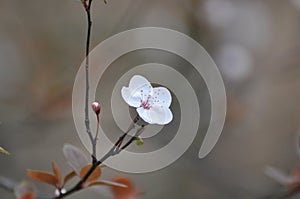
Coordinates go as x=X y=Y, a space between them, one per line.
x=9 y=185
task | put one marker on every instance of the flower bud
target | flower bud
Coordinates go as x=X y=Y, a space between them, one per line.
x=96 y=107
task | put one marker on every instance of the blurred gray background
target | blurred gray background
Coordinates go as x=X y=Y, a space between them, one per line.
x=255 y=44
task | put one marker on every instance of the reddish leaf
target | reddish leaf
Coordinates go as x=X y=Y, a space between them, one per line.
x=24 y=190
x=29 y=195
x=69 y=177
x=94 y=176
x=296 y=172
x=56 y=171
x=294 y=186
x=42 y=176
x=124 y=193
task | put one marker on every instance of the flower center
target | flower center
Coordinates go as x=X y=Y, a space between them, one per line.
x=146 y=104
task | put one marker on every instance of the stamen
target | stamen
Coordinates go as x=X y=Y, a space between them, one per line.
x=146 y=104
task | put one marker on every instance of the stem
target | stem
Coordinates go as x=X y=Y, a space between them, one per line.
x=138 y=132
x=87 y=86
x=97 y=130
x=120 y=140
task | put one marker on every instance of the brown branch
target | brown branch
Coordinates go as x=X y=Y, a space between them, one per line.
x=116 y=149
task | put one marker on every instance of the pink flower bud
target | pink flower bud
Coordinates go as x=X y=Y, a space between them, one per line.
x=96 y=107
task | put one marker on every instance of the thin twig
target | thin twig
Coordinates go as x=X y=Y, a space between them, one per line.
x=97 y=130
x=131 y=126
x=138 y=132
x=87 y=86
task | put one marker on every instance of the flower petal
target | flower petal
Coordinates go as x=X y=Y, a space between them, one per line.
x=129 y=98
x=161 y=115
x=138 y=81
x=156 y=115
x=161 y=97
x=139 y=90
x=144 y=114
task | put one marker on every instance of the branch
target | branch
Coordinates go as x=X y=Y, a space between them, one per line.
x=116 y=149
x=87 y=86
x=7 y=183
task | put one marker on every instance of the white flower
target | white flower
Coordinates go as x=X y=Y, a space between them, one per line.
x=152 y=104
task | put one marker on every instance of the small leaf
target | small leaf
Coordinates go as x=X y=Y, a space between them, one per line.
x=139 y=141
x=108 y=183
x=56 y=171
x=69 y=177
x=4 y=151
x=29 y=195
x=24 y=190
x=94 y=176
x=75 y=157
x=43 y=177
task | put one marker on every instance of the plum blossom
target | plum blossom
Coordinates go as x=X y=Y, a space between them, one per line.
x=152 y=104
